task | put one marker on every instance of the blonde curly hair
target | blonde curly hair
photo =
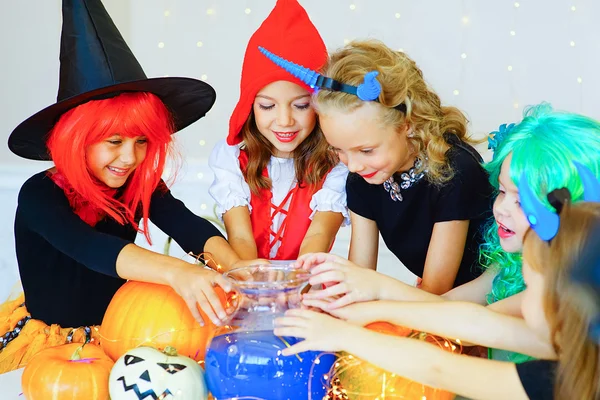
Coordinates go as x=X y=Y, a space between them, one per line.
x=402 y=82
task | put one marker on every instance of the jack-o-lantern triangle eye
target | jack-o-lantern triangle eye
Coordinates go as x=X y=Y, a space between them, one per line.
x=172 y=368
x=129 y=359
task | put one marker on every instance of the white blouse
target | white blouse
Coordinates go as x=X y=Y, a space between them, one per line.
x=229 y=189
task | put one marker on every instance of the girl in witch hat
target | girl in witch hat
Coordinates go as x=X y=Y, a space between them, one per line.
x=280 y=191
x=109 y=135
x=415 y=179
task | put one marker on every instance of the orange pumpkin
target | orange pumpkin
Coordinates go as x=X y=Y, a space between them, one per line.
x=70 y=371
x=389 y=329
x=363 y=381
x=153 y=315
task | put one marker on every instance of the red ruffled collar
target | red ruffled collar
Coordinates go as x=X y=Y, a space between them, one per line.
x=88 y=212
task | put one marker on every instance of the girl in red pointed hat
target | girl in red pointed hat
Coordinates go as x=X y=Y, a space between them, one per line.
x=109 y=136
x=279 y=189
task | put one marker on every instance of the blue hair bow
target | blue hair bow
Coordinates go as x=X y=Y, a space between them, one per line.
x=497 y=137
x=546 y=222
x=369 y=90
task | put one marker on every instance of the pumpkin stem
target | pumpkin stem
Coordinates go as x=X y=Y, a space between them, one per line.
x=76 y=356
x=170 y=351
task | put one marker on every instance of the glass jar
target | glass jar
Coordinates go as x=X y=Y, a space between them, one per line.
x=243 y=359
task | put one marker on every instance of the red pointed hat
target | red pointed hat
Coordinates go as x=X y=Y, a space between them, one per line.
x=289 y=33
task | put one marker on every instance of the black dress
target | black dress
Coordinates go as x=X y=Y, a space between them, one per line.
x=67 y=267
x=406 y=226
x=537 y=378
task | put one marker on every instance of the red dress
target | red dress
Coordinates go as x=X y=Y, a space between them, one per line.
x=297 y=217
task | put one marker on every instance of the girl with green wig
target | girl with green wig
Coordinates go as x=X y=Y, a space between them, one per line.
x=543 y=147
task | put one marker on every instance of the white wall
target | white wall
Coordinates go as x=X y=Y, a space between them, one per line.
x=552 y=47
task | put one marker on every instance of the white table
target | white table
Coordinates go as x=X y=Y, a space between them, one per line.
x=10 y=385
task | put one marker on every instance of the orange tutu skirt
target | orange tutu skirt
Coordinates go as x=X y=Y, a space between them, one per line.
x=22 y=336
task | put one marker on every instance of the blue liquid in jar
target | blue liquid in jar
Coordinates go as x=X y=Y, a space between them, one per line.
x=249 y=364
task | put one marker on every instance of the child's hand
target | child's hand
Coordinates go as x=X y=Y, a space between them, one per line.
x=311 y=260
x=345 y=279
x=320 y=332
x=196 y=285
x=359 y=314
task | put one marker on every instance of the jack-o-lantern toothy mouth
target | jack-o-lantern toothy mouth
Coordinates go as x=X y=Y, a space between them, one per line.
x=148 y=393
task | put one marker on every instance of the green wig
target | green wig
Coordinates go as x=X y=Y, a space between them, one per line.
x=543 y=146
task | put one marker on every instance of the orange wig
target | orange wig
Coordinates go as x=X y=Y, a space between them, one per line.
x=130 y=115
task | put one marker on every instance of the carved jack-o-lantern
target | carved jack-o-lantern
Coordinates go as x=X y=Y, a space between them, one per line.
x=147 y=373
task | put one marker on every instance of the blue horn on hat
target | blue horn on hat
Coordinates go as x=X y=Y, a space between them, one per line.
x=543 y=221
x=591 y=186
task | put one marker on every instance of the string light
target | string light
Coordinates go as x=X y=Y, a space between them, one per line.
x=202 y=142
x=204 y=77
x=247 y=11
x=456 y=92
x=352 y=7
x=167 y=13
x=200 y=175
x=513 y=33
x=210 y=11
x=516 y=105
x=203 y=206
x=517 y=5
x=354 y=378
x=161 y=45
x=573 y=8
x=572 y=43
x=346 y=41
x=463 y=55
x=509 y=68
x=398 y=15
x=199 y=44
x=579 y=79
x=465 y=20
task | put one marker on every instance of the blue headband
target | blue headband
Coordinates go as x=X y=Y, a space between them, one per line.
x=369 y=90
x=546 y=222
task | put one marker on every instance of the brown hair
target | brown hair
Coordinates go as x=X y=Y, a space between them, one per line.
x=312 y=158
x=402 y=82
x=567 y=308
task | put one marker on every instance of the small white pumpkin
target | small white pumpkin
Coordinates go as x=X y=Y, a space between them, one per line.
x=147 y=373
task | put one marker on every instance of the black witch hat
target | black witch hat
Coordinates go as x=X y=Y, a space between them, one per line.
x=96 y=63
